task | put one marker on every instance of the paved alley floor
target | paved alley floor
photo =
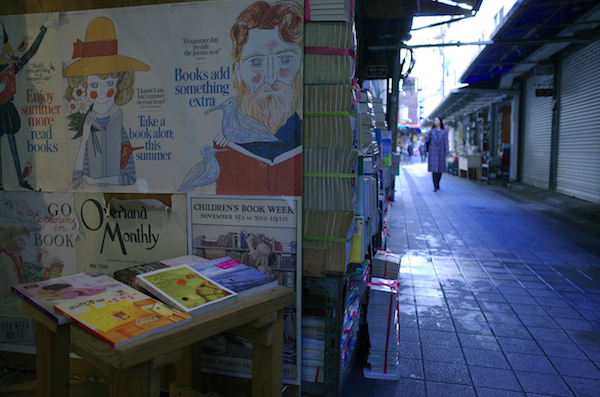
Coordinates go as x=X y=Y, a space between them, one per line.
x=500 y=294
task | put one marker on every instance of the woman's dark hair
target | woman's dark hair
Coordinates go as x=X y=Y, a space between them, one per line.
x=441 y=122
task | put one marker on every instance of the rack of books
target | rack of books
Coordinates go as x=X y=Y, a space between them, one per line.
x=341 y=195
x=332 y=315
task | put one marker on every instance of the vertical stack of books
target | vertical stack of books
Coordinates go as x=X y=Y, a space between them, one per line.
x=384 y=331
x=351 y=323
x=367 y=122
x=370 y=115
x=313 y=346
x=329 y=10
x=379 y=114
x=386 y=265
x=330 y=167
x=361 y=276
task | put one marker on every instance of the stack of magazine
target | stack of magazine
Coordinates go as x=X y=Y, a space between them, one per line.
x=313 y=346
x=329 y=10
x=384 y=331
x=114 y=312
x=386 y=264
x=330 y=155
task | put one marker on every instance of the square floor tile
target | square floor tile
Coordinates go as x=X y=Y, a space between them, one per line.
x=531 y=363
x=488 y=306
x=494 y=378
x=510 y=330
x=440 y=323
x=411 y=368
x=478 y=341
x=521 y=299
x=549 y=334
x=543 y=321
x=528 y=309
x=490 y=297
x=438 y=371
x=576 y=368
x=503 y=318
x=476 y=327
x=485 y=358
x=566 y=350
x=584 y=337
x=448 y=354
x=437 y=389
x=445 y=338
x=410 y=349
x=486 y=392
x=519 y=345
x=544 y=384
x=575 y=324
x=583 y=387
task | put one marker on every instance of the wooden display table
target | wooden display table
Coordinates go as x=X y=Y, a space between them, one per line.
x=134 y=369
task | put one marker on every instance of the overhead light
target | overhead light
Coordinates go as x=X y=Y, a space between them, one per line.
x=455 y=4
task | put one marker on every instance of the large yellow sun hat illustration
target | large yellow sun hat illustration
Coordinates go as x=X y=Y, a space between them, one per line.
x=99 y=53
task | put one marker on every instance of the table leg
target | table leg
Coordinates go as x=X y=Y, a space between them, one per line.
x=189 y=367
x=140 y=380
x=52 y=360
x=267 y=360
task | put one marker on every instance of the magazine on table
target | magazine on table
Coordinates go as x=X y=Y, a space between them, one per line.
x=122 y=315
x=46 y=293
x=186 y=289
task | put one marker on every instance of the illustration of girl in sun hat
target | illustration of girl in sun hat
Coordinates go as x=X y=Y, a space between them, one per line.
x=98 y=81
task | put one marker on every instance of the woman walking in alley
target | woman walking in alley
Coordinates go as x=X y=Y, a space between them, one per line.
x=437 y=143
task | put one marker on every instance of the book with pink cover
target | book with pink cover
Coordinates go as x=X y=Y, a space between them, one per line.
x=44 y=294
x=122 y=315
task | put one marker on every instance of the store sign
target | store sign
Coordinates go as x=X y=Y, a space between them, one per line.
x=376 y=71
x=544 y=92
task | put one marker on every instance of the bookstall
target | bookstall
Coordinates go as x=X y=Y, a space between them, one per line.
x=137 y=147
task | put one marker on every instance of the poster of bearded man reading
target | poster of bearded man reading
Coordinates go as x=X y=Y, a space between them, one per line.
x=261 y=128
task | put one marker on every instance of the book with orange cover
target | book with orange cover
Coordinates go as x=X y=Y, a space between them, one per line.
x=122 y=315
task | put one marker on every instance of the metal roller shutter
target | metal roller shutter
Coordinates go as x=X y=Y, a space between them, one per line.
x=578 y=162
x=537 y=133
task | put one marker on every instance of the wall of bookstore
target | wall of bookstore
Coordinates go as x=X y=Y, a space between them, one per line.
x=162 y=161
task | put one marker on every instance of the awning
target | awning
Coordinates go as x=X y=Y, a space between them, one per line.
x=467 y=100
x=532 y=32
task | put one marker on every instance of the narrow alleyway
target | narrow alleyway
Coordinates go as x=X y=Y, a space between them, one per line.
x=500 y=293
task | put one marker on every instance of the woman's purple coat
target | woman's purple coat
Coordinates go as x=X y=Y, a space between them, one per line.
x=438 y=150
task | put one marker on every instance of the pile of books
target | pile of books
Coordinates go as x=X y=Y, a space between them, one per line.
x=330 y=151
x=360 y=277
x=330 y=51
x=329 y=10
x=384 y=331
x=112 y=311
x=366 y=122
x=350 y=324
x=386 y=264
x=144 y=299
x=313 y=346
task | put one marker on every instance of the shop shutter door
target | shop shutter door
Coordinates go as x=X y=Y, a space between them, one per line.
x=537 y=133
x=578 y=163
